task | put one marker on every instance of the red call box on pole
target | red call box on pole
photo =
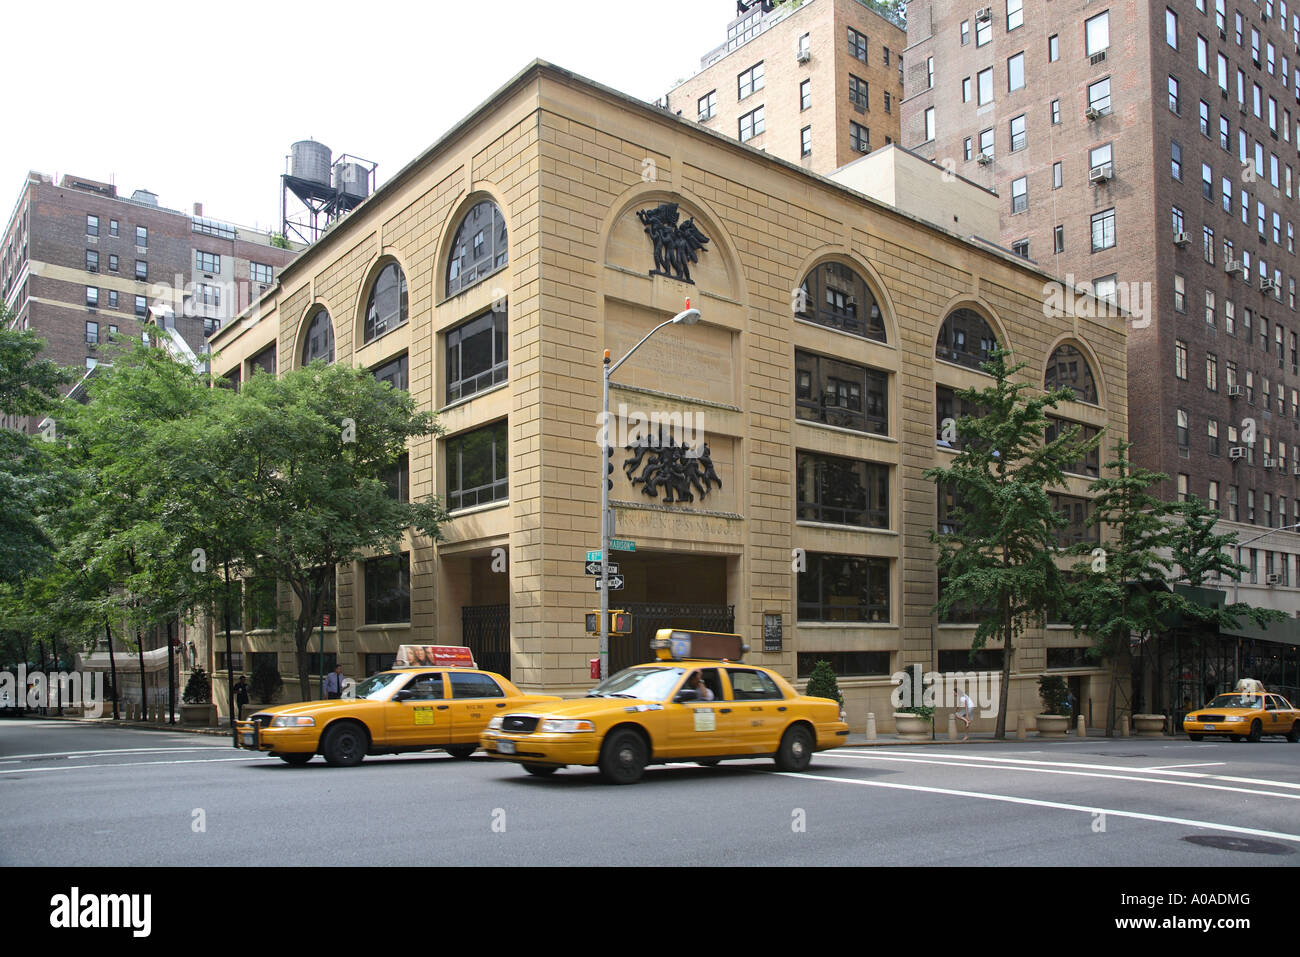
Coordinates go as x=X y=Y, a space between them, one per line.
x=595 y=668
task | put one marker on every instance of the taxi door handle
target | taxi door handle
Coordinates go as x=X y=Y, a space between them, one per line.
x=724 y=710
x=443 y=707
x=501 y=704
x=781 y=708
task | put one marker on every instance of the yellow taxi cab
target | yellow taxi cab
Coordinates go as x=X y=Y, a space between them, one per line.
x=445 y=702
x=697 y=702
x=1250 y=713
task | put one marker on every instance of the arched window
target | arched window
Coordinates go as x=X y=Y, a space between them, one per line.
x=1068 y=367
x=479 y=247
x=319 y=341
x=836 y=296
x=387 y=306
x=965 y=339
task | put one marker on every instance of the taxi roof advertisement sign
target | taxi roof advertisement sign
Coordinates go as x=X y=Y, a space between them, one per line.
x=437 y=656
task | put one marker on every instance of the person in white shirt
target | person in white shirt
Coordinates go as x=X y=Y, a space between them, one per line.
x=965 y=712
x=701 y=688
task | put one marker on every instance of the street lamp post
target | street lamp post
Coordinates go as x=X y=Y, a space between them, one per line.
x=687 y=317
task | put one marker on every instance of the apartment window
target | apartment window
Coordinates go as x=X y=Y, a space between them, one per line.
x=1173 y=94
x=388 y=589
x=141 y=236
x=1180 y=293
x=112 y=263
x=984 y=85
x=1021 y=248
x=1212 y=372
x=752 y=124
x=889 y=105
x=1058 y=239
x=1233 y=515
x=965 y=89
x=1207 y=182
x=1020 y=194
x=112 y=227
x=844 y=588
x=92 y=261
x=92 y=225
x=92 y=297
x=859 y=94
x=805 y=45
x=860 y=136
x=141 y=270
x=967 y=149
x=260 y=272
x=1205 y=119
x=92 y=333
x=1015 y=72
x=983 y=32
x=112 y=299
x=477 y=467
x=805 y=95
x=207 y=262
x=751 y=81
x=1057 y=175
x=965 y=32
x=1056 y=112
x=1106 y=288
x=1097 y=33
x=1212 y=432
x=986 y=142
x=929 y=73
x=1053 y=48
x=395 y=372
x=141 y=307
x=707 y=105
x=1100 y=157
x=1180 y=359
x=1171 y=28
x=1207 y=244
x=840 y=393
x=1175 y=160
x=857 y=45
x=805 y=141
x=477 y=356
x=1184 y=431
x=1018 y=133
x=1103 y=230
x=1015 y=14
x=1099 y=96
x=1225 y=134
x=1178 y=219
x=1202 y=55
x=841 y=491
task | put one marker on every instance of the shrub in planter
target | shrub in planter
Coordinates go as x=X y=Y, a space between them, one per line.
x=822 y=683
x=266 y=681
x=1052 y=689
x=198 y=690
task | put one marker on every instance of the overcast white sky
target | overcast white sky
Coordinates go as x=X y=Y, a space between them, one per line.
x=199 y=102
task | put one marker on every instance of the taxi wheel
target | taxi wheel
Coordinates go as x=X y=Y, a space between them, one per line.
x=462 y=750
x=623 y=758
x=1256 y=731
x=297 y=760
x=345 y=745
x=541 y=770
x=796 y=750
x=1294 y=734
x=1195 y=737
x=1234 y=737
x=709 y=762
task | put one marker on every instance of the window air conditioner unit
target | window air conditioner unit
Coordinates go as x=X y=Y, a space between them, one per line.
x=983 y=13
x=1274 y=579
x=1236 y=391
x=1099 y=174
x=1092 y=113
x=1270 y=463
x=1237 y=452
x=984 y=159
x=1267 y=285
x=1182 y=239
x=802 y=56
x=1235 y=265
x=1097 y=58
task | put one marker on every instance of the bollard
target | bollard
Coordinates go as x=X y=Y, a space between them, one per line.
x=1083 y=726
x=952 y=727
x=1123 y=726
x=1022 y=727
x=871 y=726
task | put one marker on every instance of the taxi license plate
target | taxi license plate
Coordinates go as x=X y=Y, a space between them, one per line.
x=506 y=747
x=1209 y=727
x=248 y=739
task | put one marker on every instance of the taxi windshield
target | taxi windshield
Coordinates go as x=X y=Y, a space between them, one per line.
x=1237 y=701
x=650 y=684
x=376 y=687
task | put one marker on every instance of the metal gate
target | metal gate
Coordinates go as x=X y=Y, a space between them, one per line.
x=485 y=630
x=649 y=617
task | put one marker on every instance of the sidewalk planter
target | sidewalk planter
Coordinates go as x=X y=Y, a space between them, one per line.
x=1149 y=725
x=199 y=715
x=1052 y=725
x=912 y=727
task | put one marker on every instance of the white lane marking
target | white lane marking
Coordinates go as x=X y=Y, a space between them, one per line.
x=1094 y=767
x=1203 y=764
x=125 y=764
x=1053 y=805
x=70 y=754
x=1078 y=774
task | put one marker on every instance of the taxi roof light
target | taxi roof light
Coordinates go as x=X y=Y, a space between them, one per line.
x=436 y=656
x=675 y=644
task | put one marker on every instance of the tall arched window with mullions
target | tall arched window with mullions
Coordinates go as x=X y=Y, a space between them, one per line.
x=386 y=308
x=1068 y=367
x=479 y=247
x=318 y=343
x=966 y=339
x=834 y=295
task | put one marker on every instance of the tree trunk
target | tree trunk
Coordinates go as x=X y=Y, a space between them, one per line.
x=171 y=677
x=1000 y=731
x=58 y=691
x=112 y=665
x=230 y=684
x=144 y=691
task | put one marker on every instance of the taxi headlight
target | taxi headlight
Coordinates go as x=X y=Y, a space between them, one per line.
x=1234 y=717
x=496 y=722
x=292 y=721
x=565 y=726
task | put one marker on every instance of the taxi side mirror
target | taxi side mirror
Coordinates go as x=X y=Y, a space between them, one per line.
x=405 y=694
x=687 y=694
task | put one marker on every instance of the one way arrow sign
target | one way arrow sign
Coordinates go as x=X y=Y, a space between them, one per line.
x=615 y=583
x=593 y=568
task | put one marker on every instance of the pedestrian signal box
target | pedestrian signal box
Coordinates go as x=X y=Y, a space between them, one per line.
x=620 y=622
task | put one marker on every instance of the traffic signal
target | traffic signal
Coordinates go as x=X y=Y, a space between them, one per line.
x=620 y=623
x=609 y=467
x=593 y=622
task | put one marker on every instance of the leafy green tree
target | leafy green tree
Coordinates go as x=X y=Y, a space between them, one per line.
x=1001 y=553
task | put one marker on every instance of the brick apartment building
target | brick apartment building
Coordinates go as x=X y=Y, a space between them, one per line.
x=79 y=263
x=817 y=84
x=1152 y=149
